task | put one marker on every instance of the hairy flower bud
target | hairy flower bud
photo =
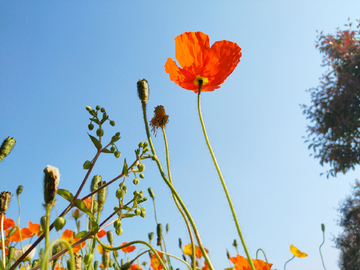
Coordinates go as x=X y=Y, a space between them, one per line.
x=87 y=165
x=5 y=197
x=101 y=195
x=56 y=249
x=11 y=253
x=150 y=235
x=43 y=223
x=51 y=183
x=12 y=231
x=6 y=147
x=159 y=230
x=88 y=258
x=143 y=90
x=110 y=237
x=95 y=182
x=151 y=193
x=19 y=190
x=106 y=258
x=323 y=227
x=59 y=223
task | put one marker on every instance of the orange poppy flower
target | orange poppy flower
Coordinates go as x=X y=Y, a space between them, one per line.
x=35 y=228
x=155 y=263
x=101 y=233
x=68 y=235
x=206 y=267
x=128 y=249
x=135 y=266
x=8 y=223
x=25 y=234
x=188 y=251
x=199 y=61
x=241 y=263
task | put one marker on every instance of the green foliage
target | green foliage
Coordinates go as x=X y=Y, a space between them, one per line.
x=335 y=111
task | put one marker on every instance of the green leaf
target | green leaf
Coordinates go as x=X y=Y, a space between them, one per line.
x=106 y=151
x=95 y=142
x=125 y=170
x=81 y=234
x=65 y=194
x=82 y=206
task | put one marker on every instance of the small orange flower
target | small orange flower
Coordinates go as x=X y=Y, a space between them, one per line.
x=128 y=249
x=25 y=234
x=34 y=228
x=188 y=251
x=8 y=223
x=155 y=263
x=206 y=267
x=101 y=233
x=68 y=235
x=135 y=266
x=242 y=263
x=200 y=62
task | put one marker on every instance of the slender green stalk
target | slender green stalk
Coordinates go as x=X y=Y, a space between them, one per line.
x=188 y=265
x=45 y=260
x=173 y=190
x=177 y=203
x=262 y=252
x=21 y=243
x=288 y=261
x=223 y=181
x=2 y=215
x=47 y=235
x=322 y=260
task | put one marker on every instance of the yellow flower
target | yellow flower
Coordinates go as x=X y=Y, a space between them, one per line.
x=294 y=250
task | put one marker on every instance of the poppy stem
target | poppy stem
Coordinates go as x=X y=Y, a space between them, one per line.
x=262 y=252
x=288 y=261
x=2 y=239
x=173 y=190
x=222 y=180
x=177 y=203
x=322 y=260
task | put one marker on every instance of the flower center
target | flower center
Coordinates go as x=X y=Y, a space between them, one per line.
x=199 y=78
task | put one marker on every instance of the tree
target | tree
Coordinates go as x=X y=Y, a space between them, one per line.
x=335 y=104
x=349 y=240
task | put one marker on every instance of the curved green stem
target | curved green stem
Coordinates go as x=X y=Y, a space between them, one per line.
x=223 y=181
x=131 y=243
x=167 y=254
x=288 y=261
x=262 y=252
x=173 y=190
x=322 y=260
x=45 y=260
x=177 y=203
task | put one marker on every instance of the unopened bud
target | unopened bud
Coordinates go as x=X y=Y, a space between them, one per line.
x=159 y=230
x=88 y=108
x=5 y=197
x=96 y=264
x=51 y=183
x=100 y=132
x=112 y=123
x=19 y=190
x=180 y=243
x=88 y=258
x=106 y=258
x=150 y=235
x=90 y=126
x=97 y=107
x=6 y=147
x=110 y=237
x=59 y=223
x=101 y=195
x=12 y=231
x=35 y=263
x=228 y=254
x=11 y=253
x=143 y=90
x=117 y=154
x=151 y=193
x=235 y=243
x=87 y=165
x=141 y=167
x=95 y=182
x=167 y=227
x=136 y=181
x=56 y=249
x=137 y=211
x=323 y=227
x=143 y=212
x=141 y=175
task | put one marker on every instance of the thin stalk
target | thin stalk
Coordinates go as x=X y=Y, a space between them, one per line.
x=3 y=240
x=177 y=203
x=223 y=181
x=47 y=234
x=21 y=243
x=262 y=252
x=288 y=261
x=173 y=190
x=322 y=260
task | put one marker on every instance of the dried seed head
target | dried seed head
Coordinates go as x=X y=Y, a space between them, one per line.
x=143 y=90
x=5 y=197
x=51 y=183
x=160 y=119
x=78 y=261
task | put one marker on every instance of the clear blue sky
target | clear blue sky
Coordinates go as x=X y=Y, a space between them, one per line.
x=56 y=57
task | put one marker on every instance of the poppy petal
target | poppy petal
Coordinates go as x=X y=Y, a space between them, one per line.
x=181 y=77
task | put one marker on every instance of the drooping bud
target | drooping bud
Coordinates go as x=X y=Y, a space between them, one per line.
x=35 y=263
x=136 y=181
x=6 y=147
x=5 y=197
x=59 y=223
x=143 y=90
x=151 y=193
x=19 y=190
x=101 y=195
x=51 y=183
x=95 y=182
x=110 y=237
x=323 y=227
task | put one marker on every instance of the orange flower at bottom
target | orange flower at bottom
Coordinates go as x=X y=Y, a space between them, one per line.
x=199 y=61
x=242 y=263
x=155 y=263
x=206 y=267
x=135 y=266
x=25 y=234
x=68 y=235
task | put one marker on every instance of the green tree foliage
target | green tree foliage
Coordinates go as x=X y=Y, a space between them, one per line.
x=334 y=132
x=349 y=240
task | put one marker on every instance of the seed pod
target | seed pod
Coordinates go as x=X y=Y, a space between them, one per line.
x=87 y=165
x=136 y=181
x=6 y=147
x=141 y=167
x=143 y=90
x=5 y=197
x=228 y=254
x=101 y=195
x=94 y=183
x=78 y=261
x=59 y=223
x=120 y=193
x=100 y=132
x=110 y=237
x=90 y=126
x=56 y=249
